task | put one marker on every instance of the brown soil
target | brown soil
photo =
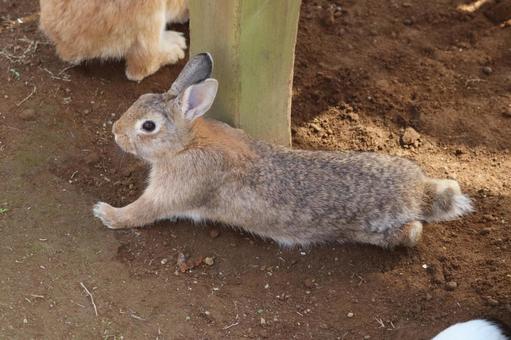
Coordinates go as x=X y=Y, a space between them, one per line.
x=365 y=71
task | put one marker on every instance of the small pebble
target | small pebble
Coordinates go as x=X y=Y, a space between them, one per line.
x=487 y=70
x=408 y=22
x=484 y=231
x=328 y=17
x=350 y=315
x=214 y=233
x=489 y=218
x=451 y=285
x=429 y=297
x=164 y=261
x=263 y=322
x=507 y=113
x=308 y=283
x=315 y=127
x=27 y=114
x=209 y=261
x=92 y=158
x=492 y=301
x=410 y=136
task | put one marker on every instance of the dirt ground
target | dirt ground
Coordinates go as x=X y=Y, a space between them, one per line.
x=366 y=72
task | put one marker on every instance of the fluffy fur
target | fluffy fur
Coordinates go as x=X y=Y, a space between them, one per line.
x=130 y=29
x=203 y=169
x=475 y=330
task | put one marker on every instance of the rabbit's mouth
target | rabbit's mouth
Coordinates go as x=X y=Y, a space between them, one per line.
x=125 y=144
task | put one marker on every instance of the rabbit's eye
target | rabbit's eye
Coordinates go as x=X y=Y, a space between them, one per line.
x=148 y=126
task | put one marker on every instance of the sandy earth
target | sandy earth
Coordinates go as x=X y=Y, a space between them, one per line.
x=365 y=71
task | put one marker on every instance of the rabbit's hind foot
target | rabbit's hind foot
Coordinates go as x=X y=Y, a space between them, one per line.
x=410 y=234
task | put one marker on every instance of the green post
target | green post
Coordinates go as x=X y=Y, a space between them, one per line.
x=253 y=46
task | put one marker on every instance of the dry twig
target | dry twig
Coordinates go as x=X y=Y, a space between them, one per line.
x=27 y=97
x=91 y=298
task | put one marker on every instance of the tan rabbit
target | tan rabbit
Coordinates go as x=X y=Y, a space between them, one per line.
x=203 y=170
x=105 y=29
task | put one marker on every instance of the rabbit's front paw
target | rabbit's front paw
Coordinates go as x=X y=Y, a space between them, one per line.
x=107 y=214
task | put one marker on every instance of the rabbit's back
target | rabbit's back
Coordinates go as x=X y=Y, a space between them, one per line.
x=305 y=196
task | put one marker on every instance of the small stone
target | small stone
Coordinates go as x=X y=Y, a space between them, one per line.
x=350 y=315
x=308 y=283
x=92 y=158
x=429 y=297
x=214 y=233
x=263 y=322
x=209 y=261
x=492 y=302
x=164 y=261
x=328 y=17
x=316 y=127
x=410 y=136
x=352 y=116
x=507 y=113
x=451 y=285
x=27 y=114
x=367 y=337
x=484 y=231
x=489 y=218
x=437 y=276
x=487 y=70
x=458 y=152
x=408 y=22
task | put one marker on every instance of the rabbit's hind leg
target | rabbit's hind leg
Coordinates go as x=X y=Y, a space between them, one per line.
x=143 y=58
x=409 y=235
x=153 y=50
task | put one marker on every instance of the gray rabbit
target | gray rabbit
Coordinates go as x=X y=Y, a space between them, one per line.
x=205 y=170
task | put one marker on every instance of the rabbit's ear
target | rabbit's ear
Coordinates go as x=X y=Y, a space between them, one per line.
x=197 y=99
x=197 y=69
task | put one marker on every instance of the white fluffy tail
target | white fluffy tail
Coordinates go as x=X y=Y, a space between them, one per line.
x=446 y=201
x=474 y=330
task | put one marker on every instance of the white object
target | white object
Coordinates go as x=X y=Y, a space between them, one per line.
x=473 y=330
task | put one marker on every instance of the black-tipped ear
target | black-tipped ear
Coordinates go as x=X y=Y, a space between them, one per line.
x=197 y=69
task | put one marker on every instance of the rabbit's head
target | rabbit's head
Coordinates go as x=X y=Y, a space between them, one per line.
x=157 y=125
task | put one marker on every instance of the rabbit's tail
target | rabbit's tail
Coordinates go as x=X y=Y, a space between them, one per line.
x=445 y=201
